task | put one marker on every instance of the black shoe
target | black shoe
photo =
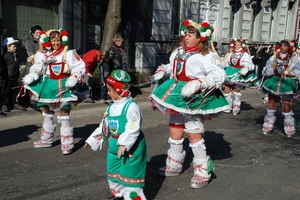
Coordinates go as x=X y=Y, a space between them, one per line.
x=89 y=101
x=114 y=198
x=34 y=107
x=2 y=113
x=18 y=107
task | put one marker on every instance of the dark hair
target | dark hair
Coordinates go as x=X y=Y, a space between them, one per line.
x=285 y=42
x=34 y=28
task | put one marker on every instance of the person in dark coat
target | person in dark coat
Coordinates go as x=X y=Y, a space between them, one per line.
x=11 y=72
x=117 y=53
x=32 y=45
x=106 y=67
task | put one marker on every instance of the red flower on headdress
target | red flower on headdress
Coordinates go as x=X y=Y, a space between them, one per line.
x=186 y=22
x=205 y=24
x=203 y=39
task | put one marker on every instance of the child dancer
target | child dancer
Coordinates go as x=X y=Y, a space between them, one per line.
x=121 y=126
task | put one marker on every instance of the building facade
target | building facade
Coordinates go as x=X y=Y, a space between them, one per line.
x=151 y=26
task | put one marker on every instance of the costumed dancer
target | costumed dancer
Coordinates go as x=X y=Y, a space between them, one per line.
x=190 y=96
x=127 y=153
x=55 y=81
x=239 y=72
x=281 y=75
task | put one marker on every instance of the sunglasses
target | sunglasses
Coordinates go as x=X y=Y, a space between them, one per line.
x=54 y=34
x=191 y=30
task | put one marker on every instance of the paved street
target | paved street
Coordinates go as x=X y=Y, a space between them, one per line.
x=248 y=164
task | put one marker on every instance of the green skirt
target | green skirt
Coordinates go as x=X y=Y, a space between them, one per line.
x=168 y=99
x=130 y=169
x=50 y=91
x=277 y=86
x=233 y=75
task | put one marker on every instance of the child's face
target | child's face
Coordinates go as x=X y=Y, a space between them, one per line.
x=12 y=47
x=112 y=92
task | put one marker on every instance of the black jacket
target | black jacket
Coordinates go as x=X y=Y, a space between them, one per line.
x=11 y=65
x=105 y=70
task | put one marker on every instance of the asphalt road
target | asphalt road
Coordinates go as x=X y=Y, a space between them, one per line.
x=248 y=164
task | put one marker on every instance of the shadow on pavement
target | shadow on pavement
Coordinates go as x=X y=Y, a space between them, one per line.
x=16 y=135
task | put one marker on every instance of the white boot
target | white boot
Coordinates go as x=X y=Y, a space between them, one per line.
x=66 y=140
x=116 y=190
x=229 y=100
x=202 y=172
x=269 y=122
x=133 y=193
x=46 y=136
x=174 y=164
x=236 y=107
x=290 y=124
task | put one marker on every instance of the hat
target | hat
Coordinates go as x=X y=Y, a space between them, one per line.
x=291 y=43
x=9 y=41
x=120 y=80
x=205 y=30
x=45 y=37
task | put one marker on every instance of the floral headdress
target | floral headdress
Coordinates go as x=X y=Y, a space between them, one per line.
x=205 y=30
x=292 y=45
x=244 y=42
x=232 y=43
x=44 y=37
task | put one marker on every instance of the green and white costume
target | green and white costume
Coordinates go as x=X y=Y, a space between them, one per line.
x=54 y=68
x=235 y=63
x=122 y=123
x=281 y=78
x=208 y=69
x=189 y=112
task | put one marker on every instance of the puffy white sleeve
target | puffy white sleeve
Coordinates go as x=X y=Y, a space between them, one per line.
x=227 y=58
x=39 y=59
x=246 y=61
x=99 y=136
x=75 y=63
x=132 y=127
x=295 y=67
x=268 y=69
x=207 y=69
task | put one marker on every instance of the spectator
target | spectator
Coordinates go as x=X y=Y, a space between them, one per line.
x=91 y=59
x=3 y=74
x=11 y=72
x=32 y=45
x=117 y=53
x=263 y=57
x=106 y=67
